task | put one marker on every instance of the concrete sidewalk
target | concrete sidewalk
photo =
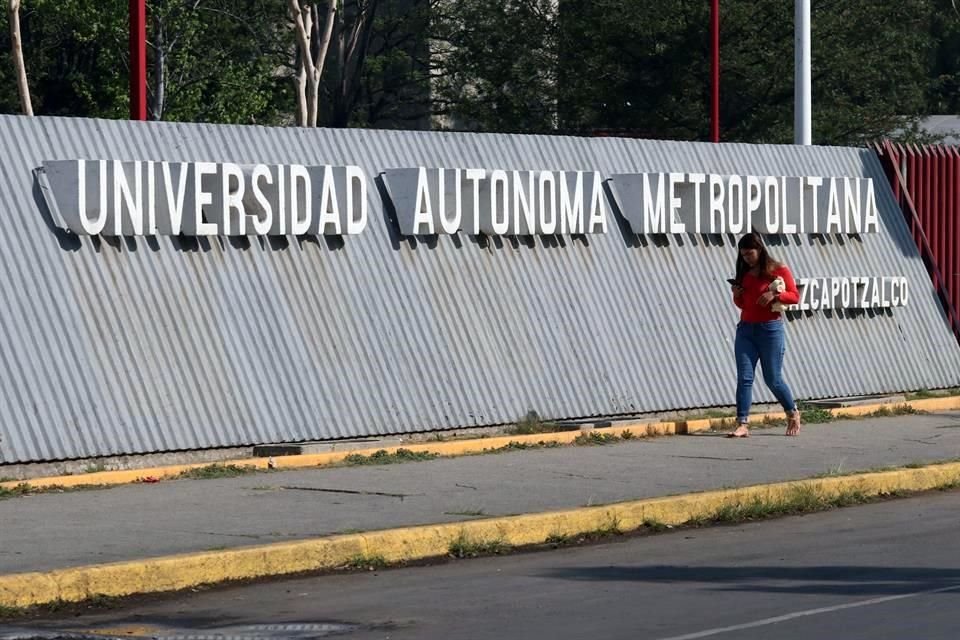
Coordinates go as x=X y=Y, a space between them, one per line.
x=47 y=532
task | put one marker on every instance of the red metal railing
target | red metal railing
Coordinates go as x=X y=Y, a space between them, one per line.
x=925 y=183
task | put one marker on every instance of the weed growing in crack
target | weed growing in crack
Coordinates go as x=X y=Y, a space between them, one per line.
x=382 y=456
x=215 y=471
x=464 y=547
x=653 y=525
x=530 y=424
x=26 y=489
x=362 y=562
x=593 y=438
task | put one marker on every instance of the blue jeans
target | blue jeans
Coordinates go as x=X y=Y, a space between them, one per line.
x=766 y=342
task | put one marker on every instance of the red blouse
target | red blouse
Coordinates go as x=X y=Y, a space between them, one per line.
x=756 y=286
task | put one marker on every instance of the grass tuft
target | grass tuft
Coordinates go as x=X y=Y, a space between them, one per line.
x=924 y=394
x=383 y=457
x=96 y=602
x=802 y=499
x=361 y=562
x=464 y=547
x=214 y=471
x=896 y=410
x=557 y=539
x=593 y=438
x=609 y=530
x=21 y=489
x=10 y=612
x=532 y=423
x=654 y=525
x=816 y=415
x=26 y=489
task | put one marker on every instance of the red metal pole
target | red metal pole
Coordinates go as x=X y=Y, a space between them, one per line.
x=138 y=60
x=715 y=71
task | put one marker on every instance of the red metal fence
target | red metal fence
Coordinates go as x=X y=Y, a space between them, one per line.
x=926 y=183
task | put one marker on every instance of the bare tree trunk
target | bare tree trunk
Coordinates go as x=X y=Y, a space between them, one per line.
x=312 y=46
x=159 y=68
x=300 y=83
x=13 y=13
x=352 y=60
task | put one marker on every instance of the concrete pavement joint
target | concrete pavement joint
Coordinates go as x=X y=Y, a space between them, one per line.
x=455 y=448
x=420 y=543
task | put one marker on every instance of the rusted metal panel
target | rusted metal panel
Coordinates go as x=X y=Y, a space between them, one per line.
x=928 y=197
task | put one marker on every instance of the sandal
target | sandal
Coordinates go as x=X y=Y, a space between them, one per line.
x=740 y=432
x=793 y=425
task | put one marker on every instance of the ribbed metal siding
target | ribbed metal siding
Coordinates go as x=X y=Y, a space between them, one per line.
x=137 y=346
x=925 y=182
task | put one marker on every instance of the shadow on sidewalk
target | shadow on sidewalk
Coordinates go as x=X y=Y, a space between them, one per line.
x=839 y=580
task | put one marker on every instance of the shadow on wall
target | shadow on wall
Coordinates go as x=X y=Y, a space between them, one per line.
x=492 y=243
x=67 y=240
x=893 y=218
x=634 y=240
x=205 y=244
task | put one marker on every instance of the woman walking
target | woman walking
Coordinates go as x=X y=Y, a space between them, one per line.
x=761 y=288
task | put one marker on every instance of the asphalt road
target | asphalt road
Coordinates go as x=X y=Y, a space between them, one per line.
x=887 y=570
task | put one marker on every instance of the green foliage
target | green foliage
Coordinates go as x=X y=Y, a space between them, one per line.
x=394 y=87
x=532 y=423
x=815 y=415
x=497 y=64
x=943 y=89
x=215 y=471
x=221 y=60
x=366 y=563
x=27 y=489
x=654 y=525
x=75 y=53
x=21 y=489
x=638 y=67
x=593 y=438
x=800 y=499
x=644 y=66
x=382 y=456
x=465 y=547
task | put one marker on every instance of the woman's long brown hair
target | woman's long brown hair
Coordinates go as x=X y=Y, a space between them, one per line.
x=765 y=262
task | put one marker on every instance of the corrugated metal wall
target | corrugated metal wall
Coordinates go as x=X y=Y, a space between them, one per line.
x=130 y=346
x=926 y=184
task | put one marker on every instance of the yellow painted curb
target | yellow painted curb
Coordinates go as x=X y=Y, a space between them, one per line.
x=446 y=449
x=455 y=447
x=407 y=544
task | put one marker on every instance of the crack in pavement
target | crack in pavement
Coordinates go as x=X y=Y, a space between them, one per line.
x=714 y=458
x=575 y=475
x=354 y=492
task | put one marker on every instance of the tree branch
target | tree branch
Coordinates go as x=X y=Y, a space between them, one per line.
x=324 y=44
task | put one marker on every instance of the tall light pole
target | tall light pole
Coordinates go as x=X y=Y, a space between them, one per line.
x=802 y=133
x=715 y=71
x=138 y=60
